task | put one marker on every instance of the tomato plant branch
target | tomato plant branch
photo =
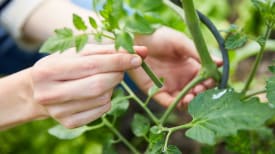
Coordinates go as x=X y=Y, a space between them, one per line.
x=151 y=74
x=169 y=133
x=186 y=89
x=119 y=135
x=141 y=104
x=257 y=61
x=208 y=66
x=172 y=130
x=254 y=94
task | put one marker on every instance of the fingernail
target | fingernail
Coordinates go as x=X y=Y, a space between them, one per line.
x=136 y=61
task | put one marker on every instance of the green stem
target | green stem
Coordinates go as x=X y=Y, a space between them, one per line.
x=186 y=89
x=151 y=74
x=96 y=126
x=119 y=135
x=192 y=20
x=185 y=126
x=172 y=130
x=254 y=94
x=145 y=67
x=141 y=104
x=166 y=140
x=257 y=61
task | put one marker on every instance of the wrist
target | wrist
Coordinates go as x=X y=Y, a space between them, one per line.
x=18 y=105
x=36 y=111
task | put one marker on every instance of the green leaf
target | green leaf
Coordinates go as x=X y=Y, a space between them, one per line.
x=93 y=22
x=65 y=32
x=79 y=22
x=137 y=24
x=171 y=149
x=219 y=113
x=156 y=143
x=267 y=9
x=62 y=40
x=270 y=87
x=120 y=103
x=64 y=133
x=236 y=40
x=81 y=41
x=140 y=125
x=124 y=40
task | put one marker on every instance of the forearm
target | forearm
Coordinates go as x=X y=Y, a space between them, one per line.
x=16 y=102
x=50 y=15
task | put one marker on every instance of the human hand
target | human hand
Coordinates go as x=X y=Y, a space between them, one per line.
x=76 y=88
x=172 y=56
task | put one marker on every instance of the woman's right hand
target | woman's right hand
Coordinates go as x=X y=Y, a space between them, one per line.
x=76 y=88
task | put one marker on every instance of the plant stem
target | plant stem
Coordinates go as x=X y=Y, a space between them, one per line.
x=151 y=74
x=172 y=130
x=257 y=61
x=141 y=104
x=166 y=140
x=186 y=89
x=96 y=126
x=188 y=125
x=254 y=94
x=145 y=67
x=119 y=135
x=192 y=20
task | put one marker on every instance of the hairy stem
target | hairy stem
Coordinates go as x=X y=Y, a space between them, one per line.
x=186 y=89
x=141 y=104
x=257 y=61
x=192 y=20
x=120 y=137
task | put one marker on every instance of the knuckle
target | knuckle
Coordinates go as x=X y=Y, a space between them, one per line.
x=107 y=107
x=70 y=123
x=90 y=65
x=44 y=98
x=55 y=112
x=98 y=88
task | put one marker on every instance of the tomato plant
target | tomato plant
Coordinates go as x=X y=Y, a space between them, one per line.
x=216 y=113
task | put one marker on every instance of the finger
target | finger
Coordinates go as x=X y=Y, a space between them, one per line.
x=218 y=61
x=164 y=99
x=90 y=65
x=189 y=48
x=83 y=118
x=187 y=99
x=69 y=108
x=92 y=49
x=199 y=89
x=90 y=87
x=209 y=83
x=108 y=49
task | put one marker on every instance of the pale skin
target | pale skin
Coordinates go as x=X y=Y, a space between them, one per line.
x=75 y=89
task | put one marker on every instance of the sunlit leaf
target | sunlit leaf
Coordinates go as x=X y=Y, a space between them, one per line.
x=81 y=41
x=219 y=113
x=65 y=133
x=62 y=40
x=124 y=40
x=79 y=22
